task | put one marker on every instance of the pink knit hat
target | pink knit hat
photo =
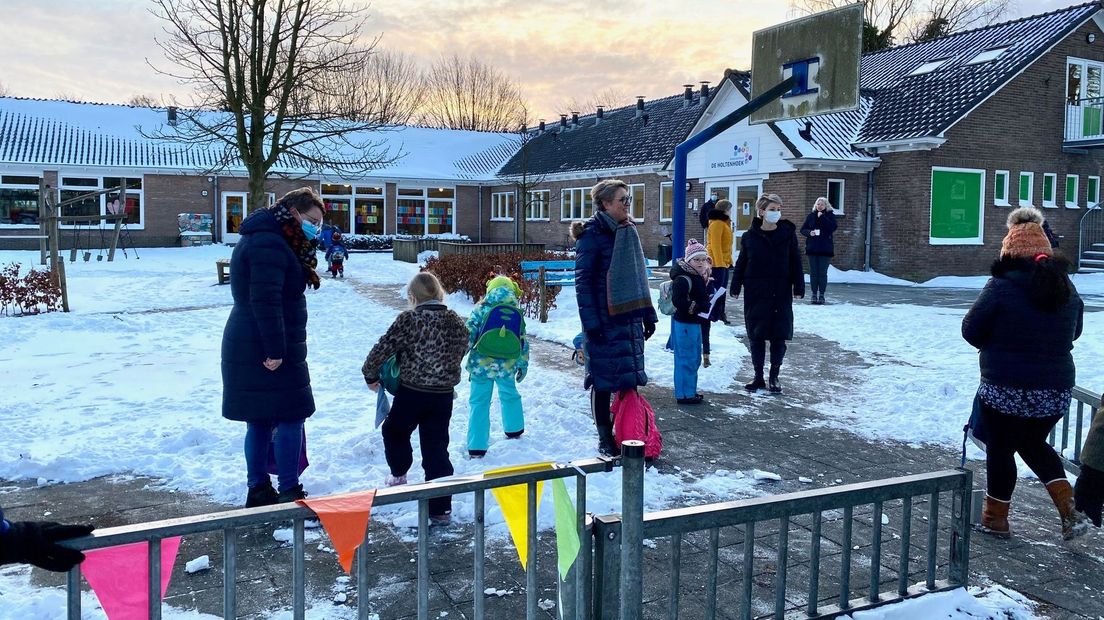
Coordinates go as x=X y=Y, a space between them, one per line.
x=694 y=248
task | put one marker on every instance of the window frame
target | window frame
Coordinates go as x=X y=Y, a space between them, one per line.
x=637 y=200
x=836 y=208
x=1053 y=202
x=584 y=193
x=663 y=188
x=1091 y=200
x=980 y=238
x=20 y=187
x=502 y=206
x=1001 y=202
x=542 y=202
x=428 y=202
x=361 y=192
x=1076 y=190
x=102 y=198
x=1030 y=189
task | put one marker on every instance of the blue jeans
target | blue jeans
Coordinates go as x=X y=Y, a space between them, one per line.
x=687 y=339
x=479 y=424
x=288 y=442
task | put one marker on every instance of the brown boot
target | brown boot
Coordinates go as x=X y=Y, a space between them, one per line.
x=1074 y=522
x=994 y=517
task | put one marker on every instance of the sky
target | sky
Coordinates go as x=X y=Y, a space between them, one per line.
x=556 y=50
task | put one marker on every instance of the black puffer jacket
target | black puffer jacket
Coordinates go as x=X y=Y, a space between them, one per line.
x=769 y=272
x=1022 y=346
x=616 y=360
x=269 y=320
x=688 y=294
x=821 y=243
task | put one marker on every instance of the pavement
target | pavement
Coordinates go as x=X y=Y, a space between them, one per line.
x=782 y=434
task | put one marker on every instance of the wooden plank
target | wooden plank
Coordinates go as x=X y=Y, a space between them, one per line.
x=115 y=237
x=548 y=265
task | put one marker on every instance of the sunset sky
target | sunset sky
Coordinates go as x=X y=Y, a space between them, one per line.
x=556 y=50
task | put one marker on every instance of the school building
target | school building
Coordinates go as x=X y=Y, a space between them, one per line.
x=951 y=134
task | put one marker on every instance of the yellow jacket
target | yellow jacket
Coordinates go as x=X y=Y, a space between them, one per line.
x=718 y=242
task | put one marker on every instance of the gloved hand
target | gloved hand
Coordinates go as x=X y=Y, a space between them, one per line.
x=595 y=335
x=520 y=376
x=1088 y=493
x=35 y=542
x=649 y=329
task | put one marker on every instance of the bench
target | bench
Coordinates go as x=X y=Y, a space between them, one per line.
x=223 y=265
x=557 y=273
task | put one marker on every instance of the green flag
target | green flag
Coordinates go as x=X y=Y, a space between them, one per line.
x=567 y=527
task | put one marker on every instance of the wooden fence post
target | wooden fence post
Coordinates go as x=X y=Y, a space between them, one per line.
x=543 y=297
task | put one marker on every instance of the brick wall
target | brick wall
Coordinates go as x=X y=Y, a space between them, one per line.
x=799 y=190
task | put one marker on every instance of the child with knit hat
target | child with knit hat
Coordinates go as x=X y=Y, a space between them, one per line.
x=498 y=355
x=690 y=297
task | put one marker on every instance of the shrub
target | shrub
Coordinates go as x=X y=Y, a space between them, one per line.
x=384 y=242
x=469 y=274
x=36 y=292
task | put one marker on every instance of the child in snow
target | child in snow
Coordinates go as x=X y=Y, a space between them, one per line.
x=430 y=341
x=689 y=295
x=336 y=256
x=498 y=354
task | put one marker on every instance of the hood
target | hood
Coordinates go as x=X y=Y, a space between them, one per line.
x=505 y=282
x=717 y=214
x=680 y=268
x=259 y=221
x=500 y=295
x=576 y=229
x=1018 y=268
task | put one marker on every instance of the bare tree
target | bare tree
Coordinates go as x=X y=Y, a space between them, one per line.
x=388 y=88
x=265 y=78
x=612 y=97
x=525 y=182
x=143 y=101
x=887 y=22
x=942 y=17
x=466 y=93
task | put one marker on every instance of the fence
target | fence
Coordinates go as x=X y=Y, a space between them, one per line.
x=1090 y=234
x=407 y=250
x=608 y=581
x=1085 y=121
x=1060 y=435
x=448 y=247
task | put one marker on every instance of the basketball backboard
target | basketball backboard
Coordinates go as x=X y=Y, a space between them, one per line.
x=823 y=50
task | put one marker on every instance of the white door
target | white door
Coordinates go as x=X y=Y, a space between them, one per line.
x=234 y=209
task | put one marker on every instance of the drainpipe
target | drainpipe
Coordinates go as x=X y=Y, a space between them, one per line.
x=215 y=223
x=869 y=218
x=480 y=233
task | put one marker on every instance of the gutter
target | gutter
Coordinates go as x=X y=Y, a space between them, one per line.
x=869 y=233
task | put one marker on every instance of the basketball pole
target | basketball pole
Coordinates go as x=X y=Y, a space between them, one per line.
x=678 y=233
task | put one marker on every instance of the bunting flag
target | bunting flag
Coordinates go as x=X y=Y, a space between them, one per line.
x=514 y=501
x=567 y=528
x=118 y=576
x=345 y=518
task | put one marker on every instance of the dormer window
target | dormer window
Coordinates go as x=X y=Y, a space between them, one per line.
x=987 y=56
x=928 y=67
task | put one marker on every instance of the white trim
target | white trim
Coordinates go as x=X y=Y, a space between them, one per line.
x=643 y=203
x=1007 y=190
x=529 y=202
x=662 y=185
x=1093 y=200
x=1053 y=202
x=980 y=239
x=502 y=206
x=802 y=164
x=837 y=208
x=427 y=203
x=20 y=187
x=1076 y=191
x=596 y=174
x=584 y=192
x=926 y=143
x=1030 y=189
x=100 y=176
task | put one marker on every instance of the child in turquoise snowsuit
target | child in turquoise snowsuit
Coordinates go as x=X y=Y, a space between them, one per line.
x=486 y=372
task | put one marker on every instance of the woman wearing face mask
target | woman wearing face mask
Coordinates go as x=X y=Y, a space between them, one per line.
x=690 y=296
x=817 y=229
x=768 y=271
x=265 y=382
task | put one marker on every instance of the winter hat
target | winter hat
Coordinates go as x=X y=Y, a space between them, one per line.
x=1025 y=238
x=694 y=248
x=337 y=235
x=504 y=282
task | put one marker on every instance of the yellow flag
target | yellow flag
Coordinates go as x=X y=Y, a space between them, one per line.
x=513 y=500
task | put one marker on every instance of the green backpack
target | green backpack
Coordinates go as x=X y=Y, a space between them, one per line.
x=389 y=375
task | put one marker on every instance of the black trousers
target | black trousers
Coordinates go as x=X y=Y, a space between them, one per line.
x=759 y=353
x=1012 y=435
x=720 y=280
x=818 y=273
x=600 y=407
x=429 y=413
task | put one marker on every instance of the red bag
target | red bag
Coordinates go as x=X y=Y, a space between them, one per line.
x=633 y=418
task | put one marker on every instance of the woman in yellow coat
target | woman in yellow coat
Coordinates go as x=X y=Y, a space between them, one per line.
x=719 y=245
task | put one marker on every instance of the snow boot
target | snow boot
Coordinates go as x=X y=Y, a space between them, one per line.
x=1074 y=522
x=994 y=517
x=757 y=383
x=394 y=481
x=705 y=360
x=607 y=446
x=775 y=386
x=292 y=494
x=515 y=434
x=261 y=495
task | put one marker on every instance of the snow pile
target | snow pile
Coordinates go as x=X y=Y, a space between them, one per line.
x=991 y=603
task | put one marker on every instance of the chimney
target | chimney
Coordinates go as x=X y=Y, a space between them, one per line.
x=705 y=93
x=601 y=114
x=172 y=116
x=574 y=120
x=687 y=95
x=563 y=121
x=542 y=125
x=639 y=105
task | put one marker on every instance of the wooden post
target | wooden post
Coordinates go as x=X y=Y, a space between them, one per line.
x=542 y=297
x=57 y=266
x=42 y=245
x=115 y=237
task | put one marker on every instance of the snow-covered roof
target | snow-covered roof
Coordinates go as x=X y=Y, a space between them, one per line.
x=830 y=136
x=63 y=133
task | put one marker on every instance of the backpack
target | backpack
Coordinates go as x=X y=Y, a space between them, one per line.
x=500 y=336
x=666 y=290
x=389 y=375
x=633 y=418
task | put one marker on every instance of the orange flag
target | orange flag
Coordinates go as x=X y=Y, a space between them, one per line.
x=345 y=518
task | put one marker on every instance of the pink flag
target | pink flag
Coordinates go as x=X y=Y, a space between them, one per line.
x=118 y=576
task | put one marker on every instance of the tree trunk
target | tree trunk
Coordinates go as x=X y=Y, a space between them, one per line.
x=258 y=198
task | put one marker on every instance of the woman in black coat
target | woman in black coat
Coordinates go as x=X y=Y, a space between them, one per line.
x=616 y=320
x=265 y=382
x=817 y=229
x=769 y=272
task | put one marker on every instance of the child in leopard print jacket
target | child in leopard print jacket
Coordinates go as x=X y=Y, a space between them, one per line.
x=430 y=341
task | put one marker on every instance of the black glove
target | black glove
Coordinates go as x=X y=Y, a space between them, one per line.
x=35 y=542
x=595 y=335
x=649 y=329
x=1088 y=493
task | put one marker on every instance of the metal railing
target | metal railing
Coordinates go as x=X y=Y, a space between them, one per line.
x=573 y=591
x=1090 y=230
x=1084 y=121
x=1063 y=438
x=618 y=544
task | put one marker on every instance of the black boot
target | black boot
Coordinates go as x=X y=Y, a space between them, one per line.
x=757 y=383
x=607 y=446
x=775 y=386
x=292 y=494
x=261 y=495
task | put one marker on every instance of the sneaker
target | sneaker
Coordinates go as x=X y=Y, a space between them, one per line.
x=260 y=495
x=394 y=481
x=292 y=494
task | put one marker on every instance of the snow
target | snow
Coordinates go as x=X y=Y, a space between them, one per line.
x=203 y=562
x=990 y=603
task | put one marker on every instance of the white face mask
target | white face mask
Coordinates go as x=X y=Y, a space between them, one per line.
x=772 y=217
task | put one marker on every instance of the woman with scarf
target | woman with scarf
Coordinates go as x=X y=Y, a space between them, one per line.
x=615 y=303
x=265 y=382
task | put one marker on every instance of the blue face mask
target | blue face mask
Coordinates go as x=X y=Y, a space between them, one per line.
x=310 y=230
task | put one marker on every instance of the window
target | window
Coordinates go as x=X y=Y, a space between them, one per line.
x=18 y=200
x=1049 y=181
x=368 y=214
x=1000 y=188
x=1027 y=188
x=425 y=211
x=928 y=67
x=636 y=190
x=338 y=198
x=987 y=56
x=502 y=206
x=1071 y=191
x=537 y=207
x=132 y=204
x=573 y=203
x=1092 y=192
x=666 y=197
x=1084 y=113
x=835 y=195
x=956 y=206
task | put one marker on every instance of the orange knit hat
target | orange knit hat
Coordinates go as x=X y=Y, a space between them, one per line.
x=1025 y=238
